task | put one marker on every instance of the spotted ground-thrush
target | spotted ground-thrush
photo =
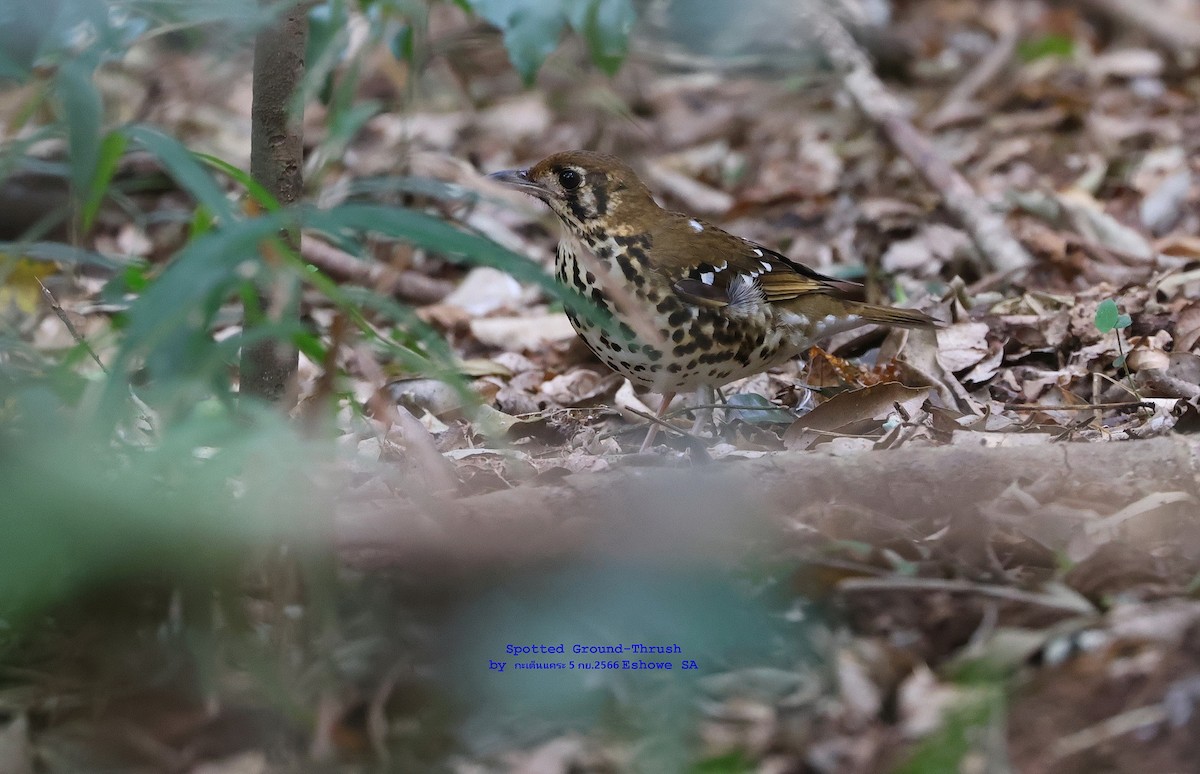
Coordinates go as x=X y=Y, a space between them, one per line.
x=694 y=306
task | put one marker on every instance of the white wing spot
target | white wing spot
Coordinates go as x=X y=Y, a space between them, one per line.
x=707 y=278
x=758 y=252
x=795 y=319
x=766 y=266
x=696 y=225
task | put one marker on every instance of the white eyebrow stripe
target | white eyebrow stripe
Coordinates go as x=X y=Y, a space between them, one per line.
x=696 y=225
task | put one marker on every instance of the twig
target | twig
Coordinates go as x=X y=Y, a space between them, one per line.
x=75 y=334
x=1080 y=407
x=661 y=423
x=984 y=72
x=1108 y=729
x=966 y=587
x=998 y=248
x=1167 y=385
x=407 y=285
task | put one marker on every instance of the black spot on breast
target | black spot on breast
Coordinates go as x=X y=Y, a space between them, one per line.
x=678 y=317
x=591 y=278
x=626 y=266
x=677 y=335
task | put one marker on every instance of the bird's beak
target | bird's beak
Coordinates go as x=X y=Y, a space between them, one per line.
x=519 y=179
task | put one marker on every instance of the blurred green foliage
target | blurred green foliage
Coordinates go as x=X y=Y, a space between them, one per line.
x=1060 y=46
x=533 y=28
x=120 y=457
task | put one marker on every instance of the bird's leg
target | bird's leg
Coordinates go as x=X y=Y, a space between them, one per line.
x=704 y=397
x=653 y=431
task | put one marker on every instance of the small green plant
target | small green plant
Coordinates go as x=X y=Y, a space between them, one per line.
x=1059 y=46
x=1108 y=318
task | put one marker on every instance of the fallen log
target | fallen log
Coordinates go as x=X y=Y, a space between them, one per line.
x=713 y=511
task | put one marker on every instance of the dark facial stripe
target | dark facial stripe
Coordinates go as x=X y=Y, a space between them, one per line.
x=601 y=195
x=577 y=208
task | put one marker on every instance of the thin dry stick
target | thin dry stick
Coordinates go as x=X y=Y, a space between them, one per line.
x=1107 y=730
x=1080 y=407
x=75 y=334
x=1080 y=606
x=984 y=72
x=998 y=248
x=408 y=285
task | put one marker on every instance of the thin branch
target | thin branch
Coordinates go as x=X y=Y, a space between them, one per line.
x=984 y=72
x=406 y=285
x=998 y=248
x=1079 y=605
x=1080 y=407
x=75 y=334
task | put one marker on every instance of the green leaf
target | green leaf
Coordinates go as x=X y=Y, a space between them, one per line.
x=732 y=763
x=1124 y=321
x=532 y=29
x=256 y=190
x=111 y=150
x=403 y=44
x=1046 y=46
x=434 y=234
x=1107 y=315
x=757 y=409
x=59 y=253
x=185 y=168
x=605 y=25
x=169 y=324
x=82 y=110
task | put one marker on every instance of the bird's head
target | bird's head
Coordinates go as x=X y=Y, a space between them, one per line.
x=590 y=192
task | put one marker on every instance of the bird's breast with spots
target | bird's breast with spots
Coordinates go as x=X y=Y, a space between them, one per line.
x=697 y=345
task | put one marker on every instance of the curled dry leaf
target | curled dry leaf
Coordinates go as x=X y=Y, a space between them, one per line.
x=422 y=394
x=854 y=406
x=1147 y=359
x=1187 y=328
x=962 y=345
x=581 y=386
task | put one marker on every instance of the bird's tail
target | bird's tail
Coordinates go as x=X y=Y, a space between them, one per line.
x=897 y=318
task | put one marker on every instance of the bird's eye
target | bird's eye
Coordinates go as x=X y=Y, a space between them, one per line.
x=569 y=179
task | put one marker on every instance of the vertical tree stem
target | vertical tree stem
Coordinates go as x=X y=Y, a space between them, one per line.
x=276 y=162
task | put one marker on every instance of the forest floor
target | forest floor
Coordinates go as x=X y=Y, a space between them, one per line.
x=975 y=549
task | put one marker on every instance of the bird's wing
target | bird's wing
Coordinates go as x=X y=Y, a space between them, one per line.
x=713 y=268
